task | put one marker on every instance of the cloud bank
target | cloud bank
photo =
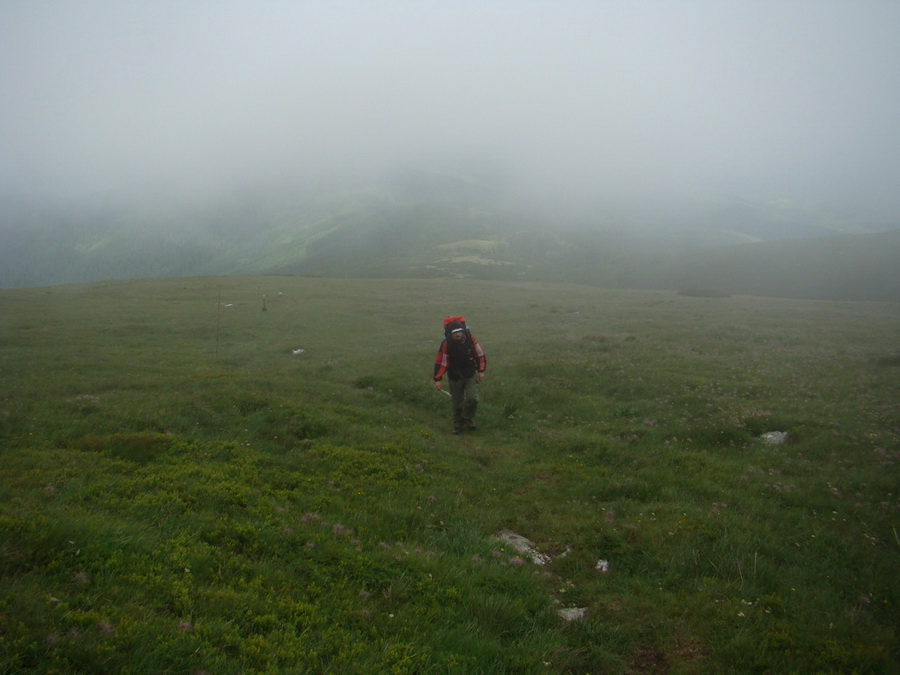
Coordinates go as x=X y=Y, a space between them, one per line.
x=637 y=100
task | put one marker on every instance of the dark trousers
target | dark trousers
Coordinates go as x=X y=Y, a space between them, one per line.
x=465 y=398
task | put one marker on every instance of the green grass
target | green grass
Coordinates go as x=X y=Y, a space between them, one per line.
x=182 y=493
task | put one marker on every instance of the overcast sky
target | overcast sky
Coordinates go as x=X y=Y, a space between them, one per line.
x=774 y=98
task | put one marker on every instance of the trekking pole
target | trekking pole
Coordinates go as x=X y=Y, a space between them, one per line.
x=218 y=319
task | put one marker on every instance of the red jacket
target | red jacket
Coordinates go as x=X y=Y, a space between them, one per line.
x=459 y=360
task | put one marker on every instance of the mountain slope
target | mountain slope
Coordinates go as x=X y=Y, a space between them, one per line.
x=848 y=267
x=446 y=224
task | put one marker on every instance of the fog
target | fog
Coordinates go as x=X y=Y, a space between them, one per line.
x=631 y=101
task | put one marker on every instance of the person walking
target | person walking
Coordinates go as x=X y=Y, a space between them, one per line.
x=462 y=358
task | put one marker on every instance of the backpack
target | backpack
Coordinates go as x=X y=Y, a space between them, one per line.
x=453 y=322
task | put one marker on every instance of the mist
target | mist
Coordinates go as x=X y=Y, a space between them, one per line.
x=634 y=105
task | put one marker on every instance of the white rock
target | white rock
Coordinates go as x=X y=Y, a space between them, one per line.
x=523 y=546
x=572 y=613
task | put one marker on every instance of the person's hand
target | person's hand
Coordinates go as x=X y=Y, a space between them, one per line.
x=437 y=385
x=480 y=377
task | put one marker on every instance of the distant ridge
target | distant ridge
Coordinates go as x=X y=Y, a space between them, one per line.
x=427 y=224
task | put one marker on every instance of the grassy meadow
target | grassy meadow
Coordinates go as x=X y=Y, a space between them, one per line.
x=182 y=493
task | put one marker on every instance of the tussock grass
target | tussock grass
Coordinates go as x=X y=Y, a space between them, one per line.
x=183 y=493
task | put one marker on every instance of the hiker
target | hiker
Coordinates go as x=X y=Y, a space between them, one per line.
x=462 y=358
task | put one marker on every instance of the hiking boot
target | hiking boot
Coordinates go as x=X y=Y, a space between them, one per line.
x=470 y=424
x=457 y=427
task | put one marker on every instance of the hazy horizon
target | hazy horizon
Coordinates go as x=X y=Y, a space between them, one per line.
x=640 y=102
